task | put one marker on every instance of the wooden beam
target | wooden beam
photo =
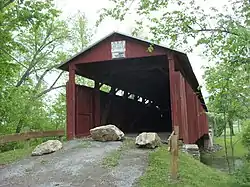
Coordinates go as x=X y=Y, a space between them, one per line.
x=96 y=106
x=71 y=103
x=174 y=153
x=29 y=135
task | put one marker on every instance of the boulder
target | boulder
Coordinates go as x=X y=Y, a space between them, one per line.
x=106 y=133
x=47 y=147
x=192 y=149
x=148 y=140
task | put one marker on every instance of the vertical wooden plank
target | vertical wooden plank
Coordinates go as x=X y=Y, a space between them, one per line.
x=190 y=100
x=174 y=81
x=206 y=124
x=71 y=115
x=198 y=118
x=183 y=104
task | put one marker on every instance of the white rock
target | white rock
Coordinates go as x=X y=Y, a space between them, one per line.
x=148 y=140
x=106 y=133
x=192 y=149
x=47 y=147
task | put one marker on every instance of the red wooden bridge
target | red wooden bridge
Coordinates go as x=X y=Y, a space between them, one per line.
x=150 y=90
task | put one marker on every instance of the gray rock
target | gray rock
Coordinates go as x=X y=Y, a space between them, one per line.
x=148 y=140
x=192 y=149
x=47 y=147
x=106 y=133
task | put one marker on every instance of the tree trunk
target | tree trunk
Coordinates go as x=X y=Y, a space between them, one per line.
x=231 y=127
x=19 y=126
x=231 y=141
x=225 y=143
x=238 y=125
x=214 y=127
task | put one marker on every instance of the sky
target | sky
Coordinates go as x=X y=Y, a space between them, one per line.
x=91 y=8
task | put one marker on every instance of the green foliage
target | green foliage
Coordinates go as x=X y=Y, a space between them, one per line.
x=58 y=112
x=216 y=122
x=246 y=134
x=242 y=175
x=80 y=33
x=240 y=149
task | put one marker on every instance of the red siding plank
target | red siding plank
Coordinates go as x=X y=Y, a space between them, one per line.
x=84 y=110
x=191 y=112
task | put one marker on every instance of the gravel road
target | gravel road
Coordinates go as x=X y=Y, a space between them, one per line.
x=76 y=165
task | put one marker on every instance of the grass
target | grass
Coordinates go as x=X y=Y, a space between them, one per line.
x=239 y=149
x=14 y=155
x=192 y=173
x=113 y=157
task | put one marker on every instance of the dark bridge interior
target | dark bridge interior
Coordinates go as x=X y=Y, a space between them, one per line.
x=139 y=99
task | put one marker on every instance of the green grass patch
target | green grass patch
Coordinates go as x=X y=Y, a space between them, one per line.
x=192 y=173
x=239 y=149
x=14 y=155
x=112 y=160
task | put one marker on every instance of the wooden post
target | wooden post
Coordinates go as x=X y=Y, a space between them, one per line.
x=71 y=103
x=96 y=108
x=174 y=153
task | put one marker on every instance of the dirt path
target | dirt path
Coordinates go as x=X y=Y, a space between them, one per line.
x=76 y=165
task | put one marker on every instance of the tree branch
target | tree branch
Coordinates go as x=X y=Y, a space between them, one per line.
x=214 y=30
x=217 y=30
x=58 y=77
x=13 y=57
x=34 y=60
x=48 y=90
x=6 y=4
x=43 y=75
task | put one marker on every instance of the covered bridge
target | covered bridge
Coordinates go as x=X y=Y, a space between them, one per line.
x=151 y=91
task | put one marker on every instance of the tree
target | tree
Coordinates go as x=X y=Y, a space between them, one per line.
x=33 y=48
x=80 y=33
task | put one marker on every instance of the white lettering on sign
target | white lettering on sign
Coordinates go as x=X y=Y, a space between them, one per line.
x=118 y=49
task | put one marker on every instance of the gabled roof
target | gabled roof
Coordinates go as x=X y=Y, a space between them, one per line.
x=185 y=64
x=109 y=35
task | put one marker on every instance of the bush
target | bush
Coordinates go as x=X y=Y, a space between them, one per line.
x=243 y=174
x=246 y=134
